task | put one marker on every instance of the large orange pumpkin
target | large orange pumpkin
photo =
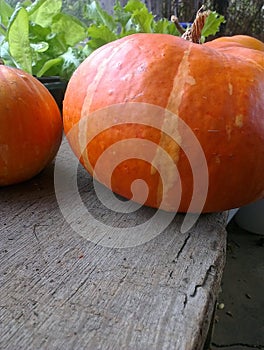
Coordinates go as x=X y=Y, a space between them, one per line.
x=212 y=94
x=30 y=126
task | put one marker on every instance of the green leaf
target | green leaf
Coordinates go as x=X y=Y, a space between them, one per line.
x=121 y=17
x=98 y=16
x=40 y=47
x=87 y=50
x=57 y=45
x=212 y=25
x=100 y=35
x=5 y=12
x=42 y=11
x=38 y=33
x=18 y=39
x=134 y=5
x=26 y=3
x=2 y=33
x=72 y=29
x=5 y=54
x=165 y=27
x=48 y=65
x=64 y=65
x=71 y=60
x=143 y=20
x=140 y=16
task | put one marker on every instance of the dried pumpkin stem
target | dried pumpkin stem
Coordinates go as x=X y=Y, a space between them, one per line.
x=178 y=26
x=194 y=33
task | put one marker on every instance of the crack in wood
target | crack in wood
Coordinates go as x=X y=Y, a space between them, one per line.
x=183 y=246
x=185 y=300
x=121 y=281
x=35 y=232
x=76 y=289
x=17 y=214
x=208 y=272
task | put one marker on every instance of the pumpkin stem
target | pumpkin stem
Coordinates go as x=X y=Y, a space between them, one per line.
x=193 y=33
x=178 y=26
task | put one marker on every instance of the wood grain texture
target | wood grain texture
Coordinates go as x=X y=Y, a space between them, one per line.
x=59 y=290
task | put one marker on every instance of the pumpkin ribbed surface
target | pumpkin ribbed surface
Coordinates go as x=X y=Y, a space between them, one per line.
x=218 y=95
x=30 y=126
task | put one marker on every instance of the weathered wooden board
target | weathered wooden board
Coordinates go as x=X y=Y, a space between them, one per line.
x=58 y=290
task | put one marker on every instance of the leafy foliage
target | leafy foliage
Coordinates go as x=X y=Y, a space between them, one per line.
x=212 y=25
x=134 y=17
x=40 y=38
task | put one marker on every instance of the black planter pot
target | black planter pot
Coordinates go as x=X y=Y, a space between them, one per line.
x=56 y=87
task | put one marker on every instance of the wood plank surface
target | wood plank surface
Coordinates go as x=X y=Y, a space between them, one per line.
x=60 y=290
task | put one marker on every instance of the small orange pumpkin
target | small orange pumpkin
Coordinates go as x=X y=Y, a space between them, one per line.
x=30 y=126
x=215 y=89
x=237 y=41
x=243 y=46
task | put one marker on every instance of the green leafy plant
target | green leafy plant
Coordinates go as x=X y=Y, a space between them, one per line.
x=212 y=25
x=134 y=17
x=41 y=39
